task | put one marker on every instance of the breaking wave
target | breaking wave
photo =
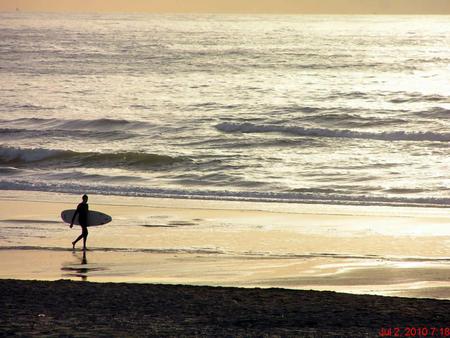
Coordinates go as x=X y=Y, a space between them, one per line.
x=225 y=195
x=230 y=127
x=38 y=156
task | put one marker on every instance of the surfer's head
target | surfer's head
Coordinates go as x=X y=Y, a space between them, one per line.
x=85 y=198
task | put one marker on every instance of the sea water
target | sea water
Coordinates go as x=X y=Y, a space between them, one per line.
x=323 y=109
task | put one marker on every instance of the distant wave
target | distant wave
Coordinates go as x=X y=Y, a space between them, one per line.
x=104 y=124
x=75 y=124
x=353 y=120
x=102 y=129
x=27 y=133
x=229 y=127
x=435 y=113
x=28 y=107
x=8 y=170
x=20 y=156
x=418 y=97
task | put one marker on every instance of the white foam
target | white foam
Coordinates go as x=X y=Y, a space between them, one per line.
x=225 y=195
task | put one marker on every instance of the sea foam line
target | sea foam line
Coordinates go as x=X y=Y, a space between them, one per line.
x=225 y=195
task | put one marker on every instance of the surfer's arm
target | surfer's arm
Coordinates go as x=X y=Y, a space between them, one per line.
x=73 y=218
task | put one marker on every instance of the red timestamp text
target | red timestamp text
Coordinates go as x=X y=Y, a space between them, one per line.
x=414 y=332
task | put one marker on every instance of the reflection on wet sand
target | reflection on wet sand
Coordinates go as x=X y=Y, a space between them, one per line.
x=82 y=270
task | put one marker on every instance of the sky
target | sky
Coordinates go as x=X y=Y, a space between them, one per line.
x=235 y=6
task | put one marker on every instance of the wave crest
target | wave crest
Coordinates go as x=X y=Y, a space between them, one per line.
x=19 y=156
x=230 y=127
x=76 y=124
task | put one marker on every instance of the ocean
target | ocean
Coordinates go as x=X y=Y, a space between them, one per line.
x=318 y=109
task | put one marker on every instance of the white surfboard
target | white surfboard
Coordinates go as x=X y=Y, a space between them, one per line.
x=94 y=217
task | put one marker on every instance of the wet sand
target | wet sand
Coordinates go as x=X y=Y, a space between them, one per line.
x=361 y=250
x=80 y=309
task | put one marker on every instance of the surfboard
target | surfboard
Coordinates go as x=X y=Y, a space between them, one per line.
x=95 y=218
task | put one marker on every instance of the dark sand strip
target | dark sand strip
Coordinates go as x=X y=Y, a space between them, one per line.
x=84 y=309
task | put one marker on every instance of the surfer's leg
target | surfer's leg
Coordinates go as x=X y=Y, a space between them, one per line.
x=76 y=241
x=84 y=234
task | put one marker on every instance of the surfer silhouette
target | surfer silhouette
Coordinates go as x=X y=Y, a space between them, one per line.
x=82 y=212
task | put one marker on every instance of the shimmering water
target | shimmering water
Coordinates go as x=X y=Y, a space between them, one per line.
x=329 y=109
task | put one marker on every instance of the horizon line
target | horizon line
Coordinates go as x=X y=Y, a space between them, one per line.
x=18 y=10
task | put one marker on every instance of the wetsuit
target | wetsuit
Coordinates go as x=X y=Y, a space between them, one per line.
x=82 y=211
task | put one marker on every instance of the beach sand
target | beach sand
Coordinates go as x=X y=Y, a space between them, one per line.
x=78 y=309
x=154 y=244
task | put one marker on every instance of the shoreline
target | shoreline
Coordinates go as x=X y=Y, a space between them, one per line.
x=241 y=197
x=76 y=309
x=360 y=250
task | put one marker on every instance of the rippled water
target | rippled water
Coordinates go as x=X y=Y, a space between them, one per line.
x=330 y=109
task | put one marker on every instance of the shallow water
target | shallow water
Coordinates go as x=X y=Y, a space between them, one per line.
x=376 y=250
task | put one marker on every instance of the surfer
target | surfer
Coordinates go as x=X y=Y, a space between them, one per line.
x=82 y=212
